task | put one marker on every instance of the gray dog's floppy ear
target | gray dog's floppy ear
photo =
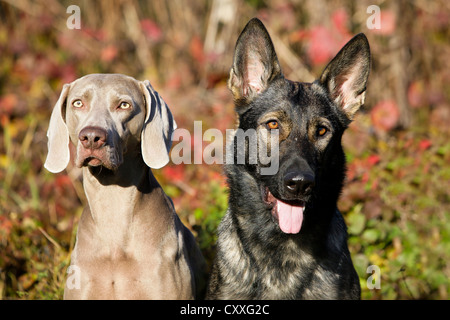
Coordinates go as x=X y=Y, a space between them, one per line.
x=58 y=155
x=156 y=138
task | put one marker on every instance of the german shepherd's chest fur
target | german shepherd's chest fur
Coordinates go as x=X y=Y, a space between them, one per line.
x=282 y=269
x=282 y=236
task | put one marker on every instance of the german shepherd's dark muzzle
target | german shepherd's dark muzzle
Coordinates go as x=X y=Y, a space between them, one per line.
x=282 y=236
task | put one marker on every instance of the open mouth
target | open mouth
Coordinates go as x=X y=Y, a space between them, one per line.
x=96 y=158
x=289 y=214
x=92 y=161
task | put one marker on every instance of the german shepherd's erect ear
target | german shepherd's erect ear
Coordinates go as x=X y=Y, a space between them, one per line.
x=345 y=77
x=255 y=63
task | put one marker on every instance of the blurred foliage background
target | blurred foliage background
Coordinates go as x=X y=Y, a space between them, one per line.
x=396 y=199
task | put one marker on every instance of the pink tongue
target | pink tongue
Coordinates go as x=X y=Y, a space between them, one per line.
x=290 y=218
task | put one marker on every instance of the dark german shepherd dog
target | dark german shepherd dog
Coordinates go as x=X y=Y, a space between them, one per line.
x=283 y=236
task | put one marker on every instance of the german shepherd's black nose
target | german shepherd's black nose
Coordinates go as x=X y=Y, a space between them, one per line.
x=298 y=183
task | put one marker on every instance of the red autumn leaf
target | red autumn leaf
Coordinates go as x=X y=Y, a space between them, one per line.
x=365 y=177
x=196 y=49
x=385 y=115
x=7 y=103
x=109 y=53
x=5 y=225
x=387 y=23
x=321 y=45
x=373 y=159
x=63 y=183
x=174 y=173
x=174 y=81
x=151 y=30
x=416 y=94
x=325 y=42
x=98 y=35
x=424 y=144
x=68 y=73
x=340 y=19
x=219 y=177
x=299 y=36
x=351 y=172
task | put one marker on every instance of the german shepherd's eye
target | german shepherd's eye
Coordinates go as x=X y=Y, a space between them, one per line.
x=321 y=131
x=272 y=124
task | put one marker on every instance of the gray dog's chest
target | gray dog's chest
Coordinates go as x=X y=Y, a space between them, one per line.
x=136 y=265
x=110 y=269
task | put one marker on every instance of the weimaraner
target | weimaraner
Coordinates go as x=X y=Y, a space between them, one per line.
x=130 y=242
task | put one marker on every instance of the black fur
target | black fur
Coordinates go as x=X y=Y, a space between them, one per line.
x=255 y=258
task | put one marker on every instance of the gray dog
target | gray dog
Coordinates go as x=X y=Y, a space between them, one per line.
x=130 y=242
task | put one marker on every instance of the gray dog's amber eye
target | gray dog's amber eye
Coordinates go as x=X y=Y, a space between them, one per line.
x=77 y=104
x=124 y=105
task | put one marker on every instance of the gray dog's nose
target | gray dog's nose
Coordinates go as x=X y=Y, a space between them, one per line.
x=93 y=137
x=298 y=183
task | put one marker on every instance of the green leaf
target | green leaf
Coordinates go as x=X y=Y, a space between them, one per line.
x=356 y=220
x=371 y=235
